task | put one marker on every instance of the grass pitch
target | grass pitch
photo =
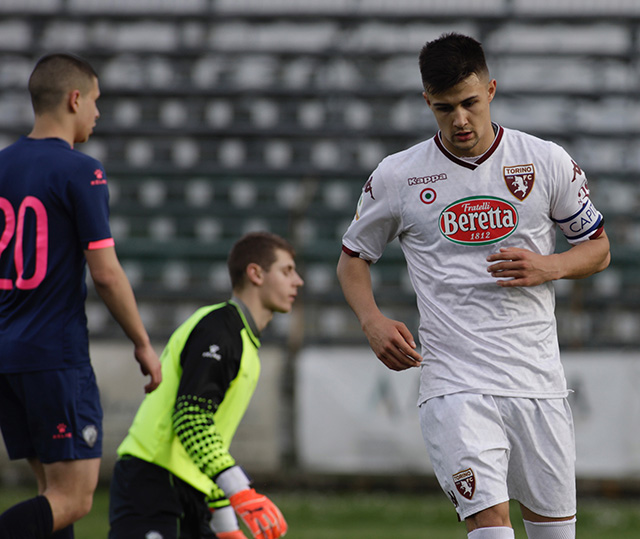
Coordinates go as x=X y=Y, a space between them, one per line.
x=379 y=515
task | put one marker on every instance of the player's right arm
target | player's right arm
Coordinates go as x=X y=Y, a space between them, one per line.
x=390 y=340
x=113 y=286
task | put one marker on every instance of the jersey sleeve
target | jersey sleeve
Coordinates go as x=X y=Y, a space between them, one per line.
x=89 y=193
x=572 y=209
x=210 y=362
x=375 y=223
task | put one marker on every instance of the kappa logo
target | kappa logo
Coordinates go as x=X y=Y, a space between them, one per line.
x=368 y=188
x=478 y=220
x=421 y=180
x=465 y=482
x=577 y=171
x=519 y=179
x=213 y=352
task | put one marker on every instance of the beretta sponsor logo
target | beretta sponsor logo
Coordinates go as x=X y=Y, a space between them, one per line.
x=478 y=220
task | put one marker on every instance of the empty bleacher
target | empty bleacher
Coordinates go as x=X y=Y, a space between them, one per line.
x=223 y=116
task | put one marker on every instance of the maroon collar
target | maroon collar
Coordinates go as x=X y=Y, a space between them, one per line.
x=472 y=166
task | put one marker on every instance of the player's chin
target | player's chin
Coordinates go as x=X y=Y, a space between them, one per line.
x=286 y=306
x=83 y=138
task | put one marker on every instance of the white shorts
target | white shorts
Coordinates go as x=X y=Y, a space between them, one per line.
x=486 y=450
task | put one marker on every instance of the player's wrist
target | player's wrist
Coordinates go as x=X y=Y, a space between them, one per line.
x=233 y=480
x=224 y=520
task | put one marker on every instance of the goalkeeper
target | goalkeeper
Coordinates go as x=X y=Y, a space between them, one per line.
x=176 y=457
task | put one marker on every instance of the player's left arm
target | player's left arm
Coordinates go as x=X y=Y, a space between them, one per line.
x=113 y=286
x=578 y=219
x=514 y=266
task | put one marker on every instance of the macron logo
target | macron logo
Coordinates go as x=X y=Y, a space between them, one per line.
x=213 y=352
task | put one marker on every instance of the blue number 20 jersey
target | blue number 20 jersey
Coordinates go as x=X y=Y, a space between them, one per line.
x=54 y=204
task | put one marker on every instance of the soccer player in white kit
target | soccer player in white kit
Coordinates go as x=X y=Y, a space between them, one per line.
x=476 y=210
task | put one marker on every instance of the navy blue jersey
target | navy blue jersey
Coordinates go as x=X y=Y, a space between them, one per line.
x=54 y=204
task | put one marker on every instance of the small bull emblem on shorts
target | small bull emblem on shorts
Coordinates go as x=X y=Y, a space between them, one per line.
x=465 y=482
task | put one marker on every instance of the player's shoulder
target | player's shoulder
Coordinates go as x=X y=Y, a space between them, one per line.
x=408 y=153
x=532 y=142
x=61 y=154
x=83 y=161
x=220 y=324
x=219 y=318
x=397 y=163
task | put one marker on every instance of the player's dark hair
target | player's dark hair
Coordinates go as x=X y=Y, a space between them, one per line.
x=254 y=248
x=54 y=76
x=448 y=60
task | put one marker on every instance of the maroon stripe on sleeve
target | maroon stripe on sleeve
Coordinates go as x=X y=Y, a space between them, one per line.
x=348 y=251
x=595 y=235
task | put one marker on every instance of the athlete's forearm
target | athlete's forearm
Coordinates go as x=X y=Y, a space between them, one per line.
x=585 y=259
x=114 y=289
x=390 y=340
x=355 y=279
x=193 y=422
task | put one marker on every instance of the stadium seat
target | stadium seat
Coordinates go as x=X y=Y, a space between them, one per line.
x=220 y=117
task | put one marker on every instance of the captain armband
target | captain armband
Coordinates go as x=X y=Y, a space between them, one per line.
x=585 y=224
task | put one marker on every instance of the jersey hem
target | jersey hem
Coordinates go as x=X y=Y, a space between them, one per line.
x=494 y=393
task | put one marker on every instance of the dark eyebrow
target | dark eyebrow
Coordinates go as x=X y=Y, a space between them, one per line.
x=443 y=104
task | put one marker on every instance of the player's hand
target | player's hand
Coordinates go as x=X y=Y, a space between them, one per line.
x=522 y=267
x=259 y=513
x=237 y=534
x=149 y=365
x=392 y=343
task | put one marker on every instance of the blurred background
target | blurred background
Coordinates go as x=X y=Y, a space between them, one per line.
x=224 y=116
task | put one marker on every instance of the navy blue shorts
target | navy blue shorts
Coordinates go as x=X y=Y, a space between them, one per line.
x=51 y=415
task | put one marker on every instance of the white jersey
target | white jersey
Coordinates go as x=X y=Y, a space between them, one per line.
x=449 y=215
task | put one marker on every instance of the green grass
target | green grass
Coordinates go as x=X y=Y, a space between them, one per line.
x=380 y=515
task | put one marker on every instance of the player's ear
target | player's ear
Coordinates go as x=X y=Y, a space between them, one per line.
x=426 y=98
x=492 y=89
x=255 y=274
x=73 y=100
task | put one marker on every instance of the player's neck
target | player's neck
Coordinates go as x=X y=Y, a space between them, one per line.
x=251 y=300
x=48 y=127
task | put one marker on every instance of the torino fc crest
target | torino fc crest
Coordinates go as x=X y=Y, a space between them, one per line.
x=519 y=179
x=465 y=482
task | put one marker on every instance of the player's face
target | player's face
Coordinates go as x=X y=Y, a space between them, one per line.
x=87 y=113
x=281 y=283
x=463 y=115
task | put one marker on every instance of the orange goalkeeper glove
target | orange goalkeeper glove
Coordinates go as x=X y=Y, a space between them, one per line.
x=259 y=513
x=231 y=535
